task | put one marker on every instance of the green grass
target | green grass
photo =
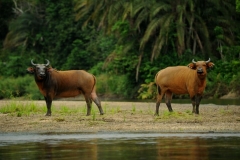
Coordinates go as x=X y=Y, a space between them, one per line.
x=93 y=113
x=124 y=117
x=64 y=109
x=84 y=109
x=181 y=116
x=118 y=109
x=226 y=111
x=105 y=108
x=20 y=109
x=150 y=110
x=133 y=109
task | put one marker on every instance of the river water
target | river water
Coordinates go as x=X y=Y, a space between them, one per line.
x=120 y=146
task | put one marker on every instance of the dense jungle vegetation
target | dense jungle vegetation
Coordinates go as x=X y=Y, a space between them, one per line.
x=123 y=42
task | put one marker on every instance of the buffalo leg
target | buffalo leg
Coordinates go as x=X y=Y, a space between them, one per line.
x=159 y=99
x=157 y=108
x=168 y=98
x=49 y=104
x=97 y=102
x=194 y=100
x=194 y=104
x=198 y=100
x=89 y=105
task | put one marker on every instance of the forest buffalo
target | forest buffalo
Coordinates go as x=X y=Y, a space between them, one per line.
x=189 y=79
x=71 y=83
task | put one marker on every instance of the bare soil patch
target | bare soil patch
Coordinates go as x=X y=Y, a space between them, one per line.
x=123 y=117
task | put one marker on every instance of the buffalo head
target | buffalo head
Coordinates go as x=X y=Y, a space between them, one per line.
x=201 y=66
x=39 y=69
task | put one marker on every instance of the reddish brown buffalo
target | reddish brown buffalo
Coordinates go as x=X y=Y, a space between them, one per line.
x=189 y=79
x=53 y=83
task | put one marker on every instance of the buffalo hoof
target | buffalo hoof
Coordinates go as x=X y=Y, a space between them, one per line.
x=101 y=113
x=48 y=114
x=195 y=113
x=156 y=114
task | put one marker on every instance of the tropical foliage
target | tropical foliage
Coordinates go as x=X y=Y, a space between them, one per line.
x=127 y=41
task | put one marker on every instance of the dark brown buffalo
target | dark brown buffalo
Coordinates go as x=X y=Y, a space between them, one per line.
x=189 y=79
x=53 y=83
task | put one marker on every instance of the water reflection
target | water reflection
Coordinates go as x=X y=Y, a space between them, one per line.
x=120 y=146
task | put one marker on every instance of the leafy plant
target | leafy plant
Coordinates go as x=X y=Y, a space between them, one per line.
x=147 y=91
x=113 y=85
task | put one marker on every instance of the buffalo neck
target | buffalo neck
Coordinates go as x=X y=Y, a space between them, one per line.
x=44 y=80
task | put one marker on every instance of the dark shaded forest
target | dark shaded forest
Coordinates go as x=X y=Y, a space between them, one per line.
x=124 y=43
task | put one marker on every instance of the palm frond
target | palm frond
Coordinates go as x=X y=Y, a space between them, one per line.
x=25 y=26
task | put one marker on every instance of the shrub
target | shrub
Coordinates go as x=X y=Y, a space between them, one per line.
x=114 y=85
x=235 y=83
x=11 y=87
x=147 y=91
x=32 y=91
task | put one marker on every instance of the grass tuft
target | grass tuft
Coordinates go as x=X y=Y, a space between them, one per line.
x=93 y=115
x=133 y=109
x=60 y=119
x=20 y=108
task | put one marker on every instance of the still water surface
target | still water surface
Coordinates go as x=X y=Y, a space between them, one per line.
x=120 y=146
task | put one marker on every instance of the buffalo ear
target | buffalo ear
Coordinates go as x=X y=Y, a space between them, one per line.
x=192 y=65
x=31 y=70
x=210 y=65
x=49 y=69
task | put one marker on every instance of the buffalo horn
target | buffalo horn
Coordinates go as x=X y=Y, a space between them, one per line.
x=47 y=62
x=208 y=60
x=193 y=61
x=33 y=63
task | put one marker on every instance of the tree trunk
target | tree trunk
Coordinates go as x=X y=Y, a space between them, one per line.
x=138 y=66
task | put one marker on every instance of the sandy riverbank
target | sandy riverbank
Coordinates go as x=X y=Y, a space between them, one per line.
x=122 y=117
